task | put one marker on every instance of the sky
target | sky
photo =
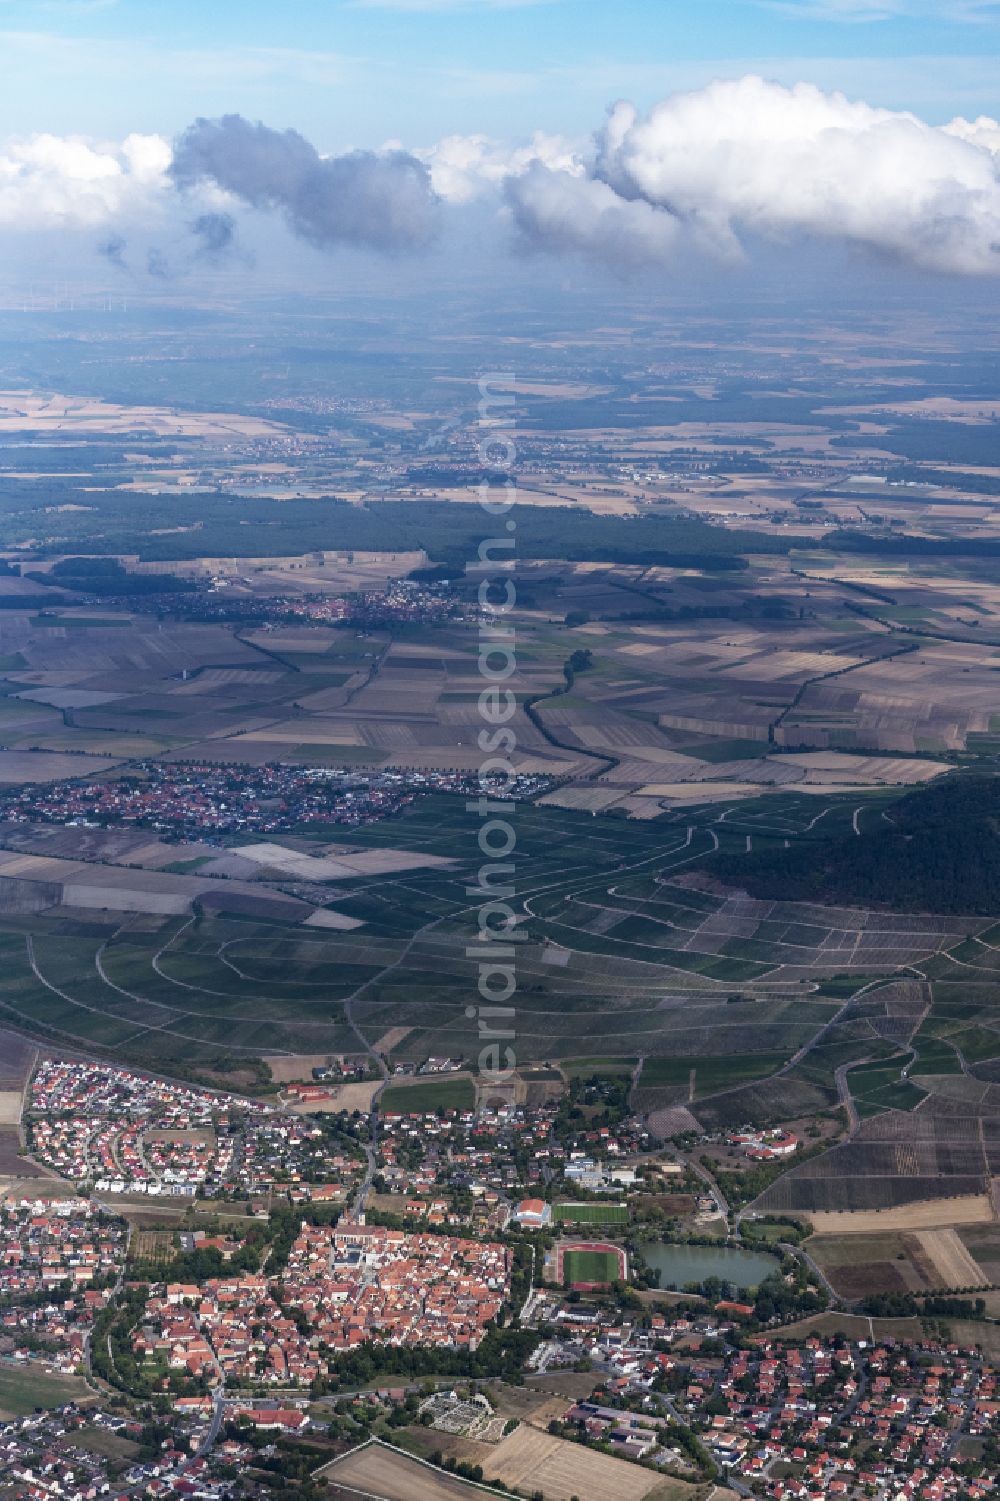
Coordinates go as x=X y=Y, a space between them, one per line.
x=161 y=140
x=359 y=72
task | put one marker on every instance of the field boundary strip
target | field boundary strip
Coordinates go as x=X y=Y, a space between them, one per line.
x=920 y=1214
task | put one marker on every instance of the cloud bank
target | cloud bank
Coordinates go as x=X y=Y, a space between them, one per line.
x=755 y=159
x=714 y=171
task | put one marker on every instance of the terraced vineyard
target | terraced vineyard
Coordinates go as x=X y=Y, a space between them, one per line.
x=630 y=958
x=623 y=953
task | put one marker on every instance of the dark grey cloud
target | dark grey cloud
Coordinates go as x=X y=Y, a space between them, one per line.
x=382 y=200
x=215 y=233
x=157 y=264
x=113 y=250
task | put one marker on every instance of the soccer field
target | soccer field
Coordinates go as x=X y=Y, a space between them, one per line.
x=592 y=1214
x=591 y=1266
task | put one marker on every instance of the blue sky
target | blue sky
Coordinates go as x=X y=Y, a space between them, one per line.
x=359 y=72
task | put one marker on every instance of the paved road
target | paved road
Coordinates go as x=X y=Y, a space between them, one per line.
x=218 y=1418
x=370 y=1146
x=721 y=1202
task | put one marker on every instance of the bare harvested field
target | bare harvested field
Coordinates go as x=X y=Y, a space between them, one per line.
x=12 y=1164
x=941 y=408
x=822 y=690
x=10 y=1107
x=569 y=1386
x=974 y=1335
x=391 y=1039
x=48 y=766
x=336 y=867
x=378 y=1471
x=983 y=1244
x=949 y=1259
x=896 y=1261
x=853 y=1326
x=326 y=917
x=350 y=1097
x=17 y=1060
x=585 y=799
x=24 y=411
x=832 y=769
x=532 y=1460
x=679 y=793
x=295 y=1068
x=935 y=1214
x=40 y=881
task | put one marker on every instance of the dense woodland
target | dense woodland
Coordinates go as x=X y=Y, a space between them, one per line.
x=51 y=517
x=240 y=526
x=939 y=853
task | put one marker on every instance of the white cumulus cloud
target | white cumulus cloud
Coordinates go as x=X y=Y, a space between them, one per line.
x=560 y=211
x=465 y=167
x=748 y=158
x=67 y=182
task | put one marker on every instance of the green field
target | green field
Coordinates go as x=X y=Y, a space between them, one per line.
x=591 y=1214
x=879 y=1087
x=586 y=1068
x=591 y=1266
x=435 y=1094
x=766 y=1234
x=25 y=1387
x=710 y=1074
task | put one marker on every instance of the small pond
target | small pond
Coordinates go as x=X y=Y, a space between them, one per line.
x=680 y=1265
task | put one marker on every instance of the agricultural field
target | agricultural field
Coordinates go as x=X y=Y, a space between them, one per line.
x=261 y=981
x=561 y=1470
x=900 y=1261
x=892 y=1164
x=628 y=962
x=377 y=1470
x=732 y=709
x=25 y=1386
x=757 y=610
x=426 y=1095
x=156 y=1247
